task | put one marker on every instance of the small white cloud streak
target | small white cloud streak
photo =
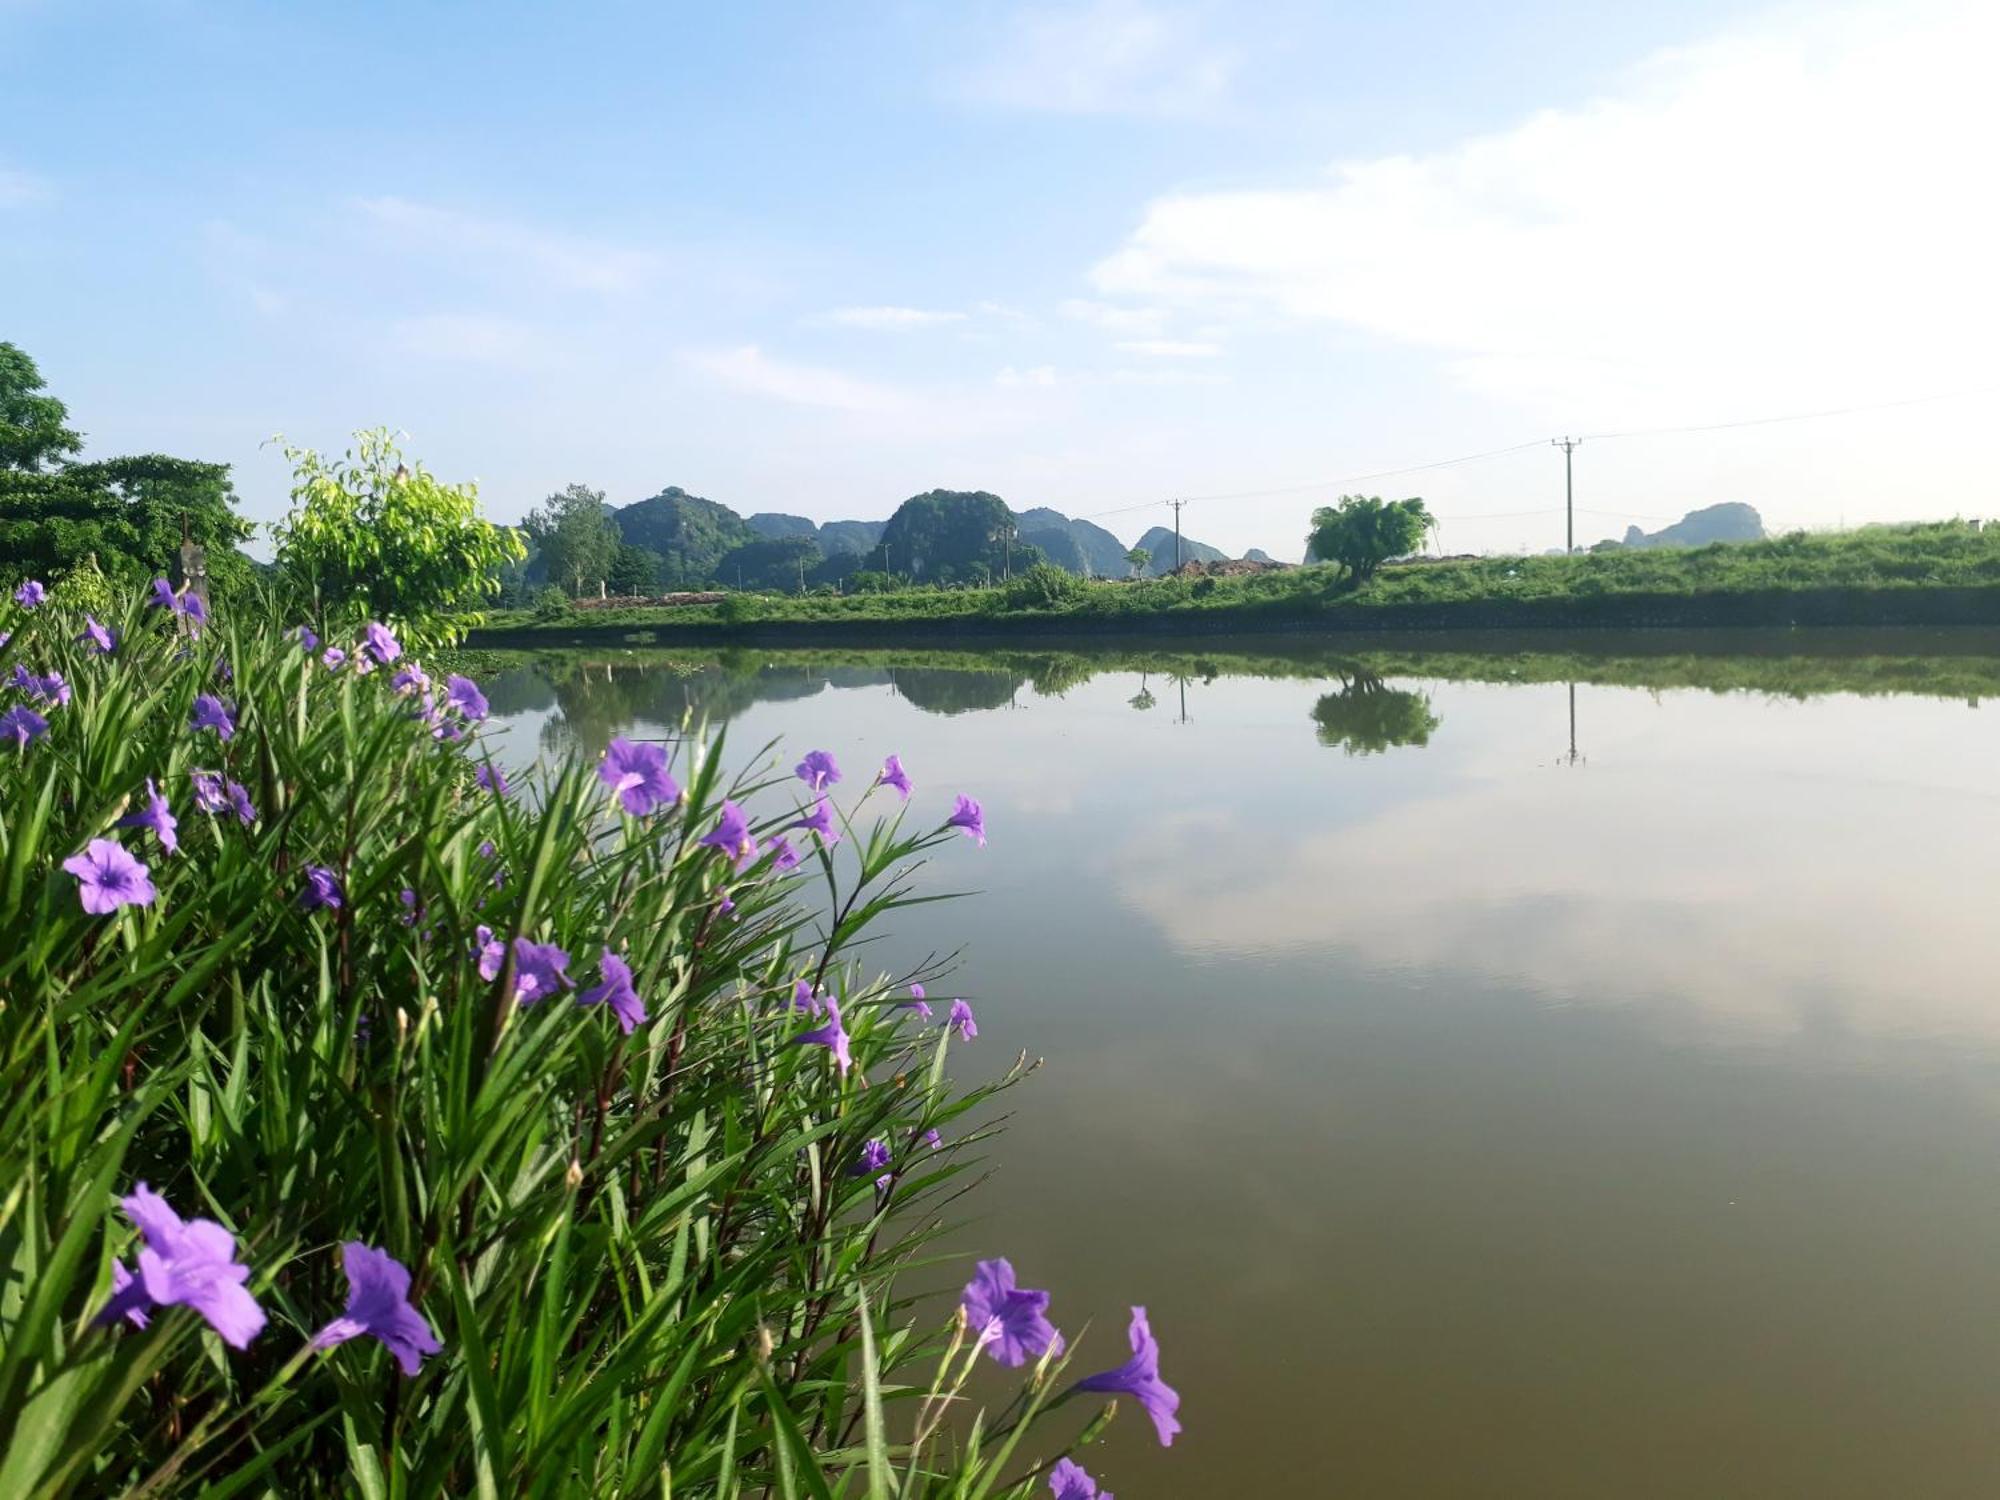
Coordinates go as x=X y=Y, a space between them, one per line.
x=1789 y=214
x=568 y=260
x=1106 y=57
x=892 y=319
x=1171 y=348
x=1134 y=322
x=749 y=371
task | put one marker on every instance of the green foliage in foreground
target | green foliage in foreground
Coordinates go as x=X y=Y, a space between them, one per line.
x=369 y=535
x=648 y=1259
x=1892 y=559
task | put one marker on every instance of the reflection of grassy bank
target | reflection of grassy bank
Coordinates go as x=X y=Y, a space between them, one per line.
x=1943 y=573
x=594 y=685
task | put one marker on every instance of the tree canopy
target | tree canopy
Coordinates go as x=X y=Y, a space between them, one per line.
x=576 y=538
x=1363 y=531
x=130 y=514
x=369 y=531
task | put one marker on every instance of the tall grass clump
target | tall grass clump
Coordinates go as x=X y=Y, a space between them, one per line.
x=370 y=1125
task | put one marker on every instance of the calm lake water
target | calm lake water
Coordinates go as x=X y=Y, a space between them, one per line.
x=1500 y=1075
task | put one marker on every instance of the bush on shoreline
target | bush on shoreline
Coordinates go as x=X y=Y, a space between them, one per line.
x=374 y=1126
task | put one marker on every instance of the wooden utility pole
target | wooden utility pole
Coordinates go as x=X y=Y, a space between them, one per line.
x=1177 y=504
x=1568 y=445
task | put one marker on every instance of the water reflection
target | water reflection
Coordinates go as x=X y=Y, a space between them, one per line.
x=1469 y=1128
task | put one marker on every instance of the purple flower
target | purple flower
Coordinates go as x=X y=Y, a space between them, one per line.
x=832 y=1036
x=488 y=775
x=492 y=953
x=784 y=856
x=378 y=1304
x=1139 y=1378
x=157 y=816
x=893 y=774
x=916 y=1002
x=409 y=679
x=163 y=595
x=1068 y=1481
x=874 y=1158
x=971 y=817
x=637 y=774
x=308 y=642
x=191 y=606
x=731 y=835
x=820 y=821
x=51 y=689
x=30 y=594
x=98 y=635
x=1022 y=1316
x=539 y=971
x=110 y=878
x=727 y=905
x=188 y=1264
x=334 y=658
x=239 y=802
x=210 y=712
x=322 y=889
x=128 y=1298
x=463 y=694
x=616 y=991
x=23 y=726
x=208 y=793
x=380 y=644
x=931 y=1139
x=804 y=1001
x=817 y=770
x=960 y=1020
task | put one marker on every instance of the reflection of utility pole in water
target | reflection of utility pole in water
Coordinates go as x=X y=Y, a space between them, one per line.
x=1573 y=758
x=1183 y=718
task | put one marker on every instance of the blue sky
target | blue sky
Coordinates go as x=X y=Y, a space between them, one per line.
x=816 y=259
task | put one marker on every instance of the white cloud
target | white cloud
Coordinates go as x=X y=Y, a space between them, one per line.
x=18 y=187
x=892 y=319
x=1789 y=215
x=571 y=261
x=1042 y=375
x=749 y=371
x=1171 y=348
x=1132 y=321
x=1106 y=57
x=476 y=338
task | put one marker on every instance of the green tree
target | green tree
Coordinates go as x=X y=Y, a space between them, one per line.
x=576 y=538
x=783 y=562
x=33 y=428
x=370 y=534
x=634 y=571
x=1363 y=531
x=130 y=514
x=1138 y=557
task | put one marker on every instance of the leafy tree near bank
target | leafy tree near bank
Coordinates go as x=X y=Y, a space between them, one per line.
x=634 y=571
x=33 y=427
x=1362 y=532
x=128 y=513
x=1138 y=557
x=576 y=537
x=370 y=534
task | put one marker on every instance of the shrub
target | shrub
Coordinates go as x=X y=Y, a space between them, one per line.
x=551 y=603
x=626 y=1151
x=1044 y=586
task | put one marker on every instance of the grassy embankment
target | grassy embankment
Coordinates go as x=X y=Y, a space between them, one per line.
x=1935 y=573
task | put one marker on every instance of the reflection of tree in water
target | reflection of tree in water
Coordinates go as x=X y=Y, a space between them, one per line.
x=598 y=700
x=1367 y=717
x=947 y=690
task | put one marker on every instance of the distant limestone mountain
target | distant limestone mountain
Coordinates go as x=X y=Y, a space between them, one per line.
x=1160 y=542
x=1258 y=555
x=1086 y=549
x=952 y=536
x=688 y=534
x=858 y=537
x=1732 y=521
x=773 y=525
